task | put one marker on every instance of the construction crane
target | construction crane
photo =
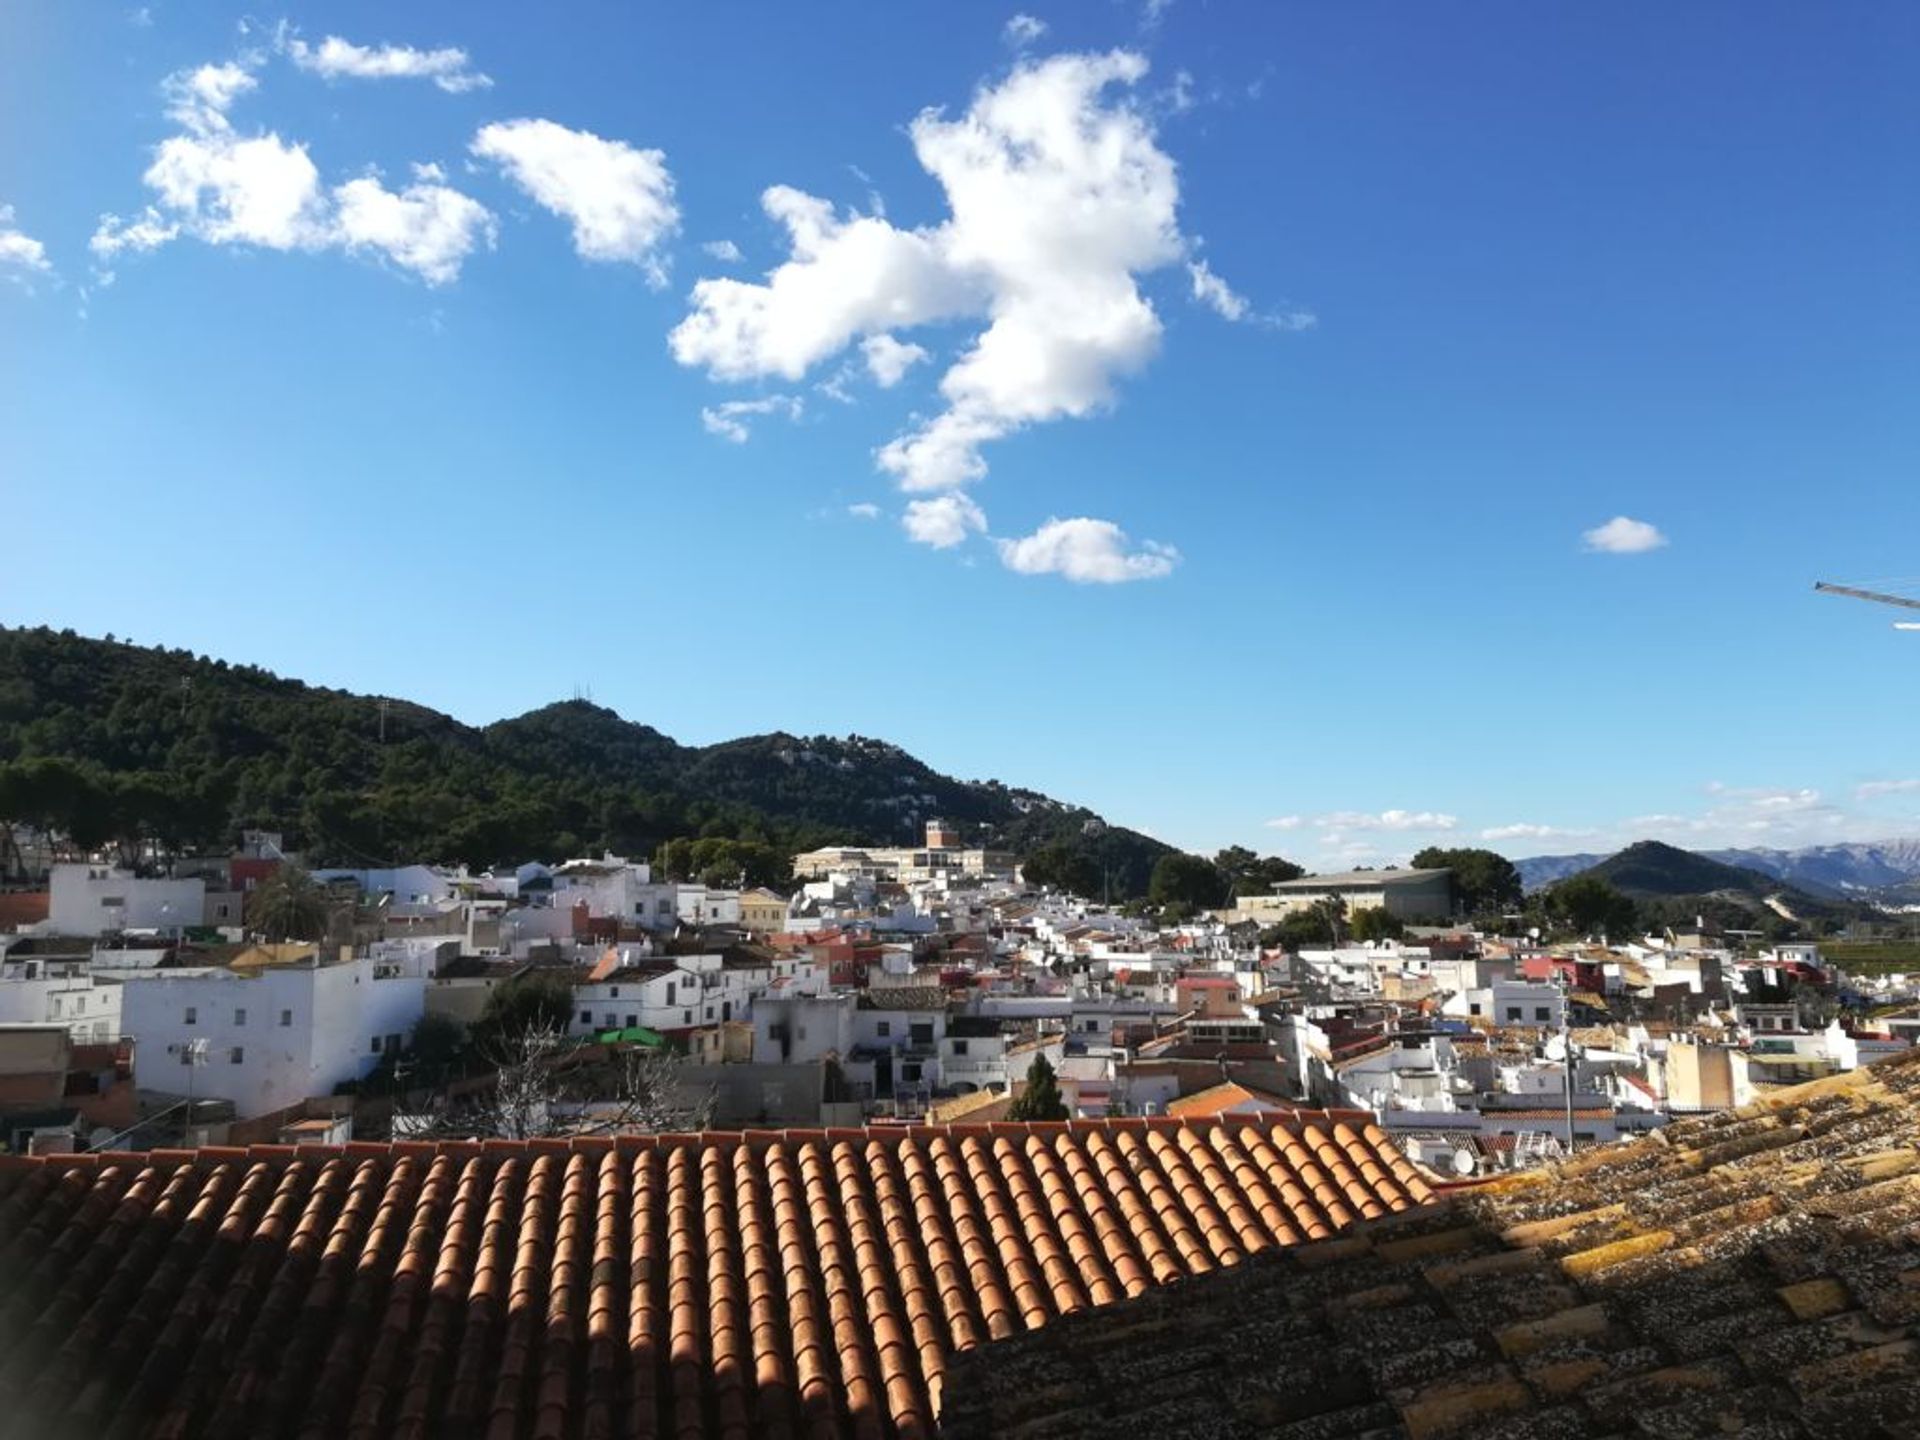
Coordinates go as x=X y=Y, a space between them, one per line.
x=1906 y=602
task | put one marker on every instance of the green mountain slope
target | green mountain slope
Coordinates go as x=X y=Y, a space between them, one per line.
x=1652 y=869
x=107 y=739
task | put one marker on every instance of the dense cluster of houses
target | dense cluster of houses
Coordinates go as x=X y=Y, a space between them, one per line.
x=889 y=985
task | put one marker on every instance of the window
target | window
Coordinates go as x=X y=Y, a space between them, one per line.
x=376 y=1044
x=686 y=1018
x=606 y=1019
x=633 y=1022
x=1474 y=1008
x=883 y=1027
x=586 y=1017
x=286 y=1017
x=613 y=992
x=240 y=1015
x=959 y=1047
x=1513 y=1012
x=921 y=1032
x=236 y=1055
x=193 y=1015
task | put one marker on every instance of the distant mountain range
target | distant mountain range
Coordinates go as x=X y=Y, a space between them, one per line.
x=1880 y=870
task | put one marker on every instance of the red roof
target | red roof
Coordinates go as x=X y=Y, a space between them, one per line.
x=765 y=1283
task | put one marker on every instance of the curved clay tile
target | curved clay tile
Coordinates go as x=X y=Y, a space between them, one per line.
x=976 y=1240
x=238 y=1411
x=859 y=1388
x=1276 y=1220
x=895 y=1337
x=646 y=1324
x=1163 y=1204
x=686 y=1304
x=766 y=1310
x=1196 y=1198
x=1239 y=1227
x=1042 y=1227
x=726 y=1310
x=1119 y=1243
x=606 y=1305
x=914 y=1247
x=526 y=1296
x=1030 y=1292
x=946 y=1267
x=812 y=1355
x=416 y=1409
x=1057 y=1195
x=566 y=1281
x=1308 y=1218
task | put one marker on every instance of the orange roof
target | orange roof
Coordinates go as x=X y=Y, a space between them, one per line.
x=757 y=1283
x=1217 y=1099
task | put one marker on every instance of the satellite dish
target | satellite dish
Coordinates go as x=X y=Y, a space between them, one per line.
x=1555 y=1048
x=1463 y=1162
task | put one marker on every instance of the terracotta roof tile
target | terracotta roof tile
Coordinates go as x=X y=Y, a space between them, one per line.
x=806 y=1283
x=1753 y=1273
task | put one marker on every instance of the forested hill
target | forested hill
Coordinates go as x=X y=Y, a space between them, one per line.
x=108 y=740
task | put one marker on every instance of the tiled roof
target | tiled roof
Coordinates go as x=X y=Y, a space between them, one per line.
x=763 y=1283
x=1218 y=1099
x=1754 y=1273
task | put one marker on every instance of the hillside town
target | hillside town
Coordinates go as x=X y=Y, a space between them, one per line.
x=886 y=986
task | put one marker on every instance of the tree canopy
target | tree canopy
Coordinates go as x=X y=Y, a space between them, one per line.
x=1040 y=1100
x=1483 y=880
x=161 y=751
x=1189 y=880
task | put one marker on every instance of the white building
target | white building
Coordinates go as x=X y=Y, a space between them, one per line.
x=616 y=888
x=698 y=905
x=274 y=1035
x=37 y=990
x=98 y=899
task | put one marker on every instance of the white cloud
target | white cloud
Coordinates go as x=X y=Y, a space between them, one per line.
x=1022 y=30
x=425 y=228
x=1213 y=292
x=199 y=99
x=618 y=198
x=1872 y=788
x=1058 y=198
x=1396 y=820
x=21 y=256
x=845 y=277
x=889 y=359
x=149 y=231
x=223 y=188
x=226 y=190
x=337 y=59
x=729 y=420
x=1089 y=552
x=1621 y=536
x=1525 y=831
x=724 y=250
x=864 y=510
x=1287 y=822
x=943 y=521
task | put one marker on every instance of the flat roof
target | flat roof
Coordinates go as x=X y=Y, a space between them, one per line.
x=1312 y=883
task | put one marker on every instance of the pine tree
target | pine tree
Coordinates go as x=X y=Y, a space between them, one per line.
x=1041 y=1099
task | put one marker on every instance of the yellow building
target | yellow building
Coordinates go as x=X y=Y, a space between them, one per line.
x=763 y=912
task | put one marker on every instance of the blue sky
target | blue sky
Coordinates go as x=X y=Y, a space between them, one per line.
x=394 y=349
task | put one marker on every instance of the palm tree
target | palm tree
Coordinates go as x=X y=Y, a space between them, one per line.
x=288 y=905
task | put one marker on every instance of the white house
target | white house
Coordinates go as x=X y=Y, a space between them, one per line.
x=616 y=888
x=36 y=990
x=98 y=899
x=802 y=1029
x=698 y=905
x=274 y=1035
